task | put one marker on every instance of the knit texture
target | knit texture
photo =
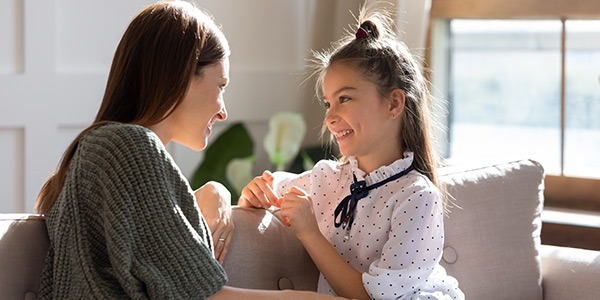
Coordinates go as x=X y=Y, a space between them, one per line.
x=126 y=225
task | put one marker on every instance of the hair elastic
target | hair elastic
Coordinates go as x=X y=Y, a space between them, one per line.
x=361 y=33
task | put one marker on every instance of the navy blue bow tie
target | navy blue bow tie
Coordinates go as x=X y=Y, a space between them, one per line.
x=358 y=190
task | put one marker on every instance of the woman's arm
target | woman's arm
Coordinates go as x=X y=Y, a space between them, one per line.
x=228 y=292
x=343 y=278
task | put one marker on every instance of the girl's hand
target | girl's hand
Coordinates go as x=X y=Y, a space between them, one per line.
x=297 y=211
x=259 y=192
x=214 y=201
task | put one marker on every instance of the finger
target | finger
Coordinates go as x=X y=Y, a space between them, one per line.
x=226 y=244
x=268 y=177
x=259 y=194
x=285 y=218
x=297 y=191
x=220 y=226
x=223 y=240
x=218 y=246
x=249 y=198
x=266 y=188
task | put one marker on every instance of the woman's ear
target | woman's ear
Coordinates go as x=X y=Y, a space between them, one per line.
x=397 y=100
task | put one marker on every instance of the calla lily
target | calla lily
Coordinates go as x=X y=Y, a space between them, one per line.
x=239 y=172
x=286 y=132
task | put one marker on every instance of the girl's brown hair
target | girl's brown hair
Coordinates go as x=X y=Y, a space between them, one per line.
x=373 y=50
x=165 y=45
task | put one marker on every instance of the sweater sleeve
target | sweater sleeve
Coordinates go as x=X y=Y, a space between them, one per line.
x=156 y=240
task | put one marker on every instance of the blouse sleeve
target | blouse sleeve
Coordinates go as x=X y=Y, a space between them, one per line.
x=157 y=241
x=414 y=245
x=285 y=180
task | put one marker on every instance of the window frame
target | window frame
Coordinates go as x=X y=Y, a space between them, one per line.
x=560 y=190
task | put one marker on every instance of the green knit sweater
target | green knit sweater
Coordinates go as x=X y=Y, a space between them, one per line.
x=126 y=224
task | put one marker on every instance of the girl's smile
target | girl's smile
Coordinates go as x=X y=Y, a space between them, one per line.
x=342 y=134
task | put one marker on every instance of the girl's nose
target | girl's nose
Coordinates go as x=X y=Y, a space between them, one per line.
x=330 y=118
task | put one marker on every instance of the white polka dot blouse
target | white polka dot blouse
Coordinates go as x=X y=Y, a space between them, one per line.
x=397 y=236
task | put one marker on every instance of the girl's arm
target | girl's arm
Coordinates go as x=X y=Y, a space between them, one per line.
x=343 y=278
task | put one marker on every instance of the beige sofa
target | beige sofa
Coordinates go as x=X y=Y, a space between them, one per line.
x=492 y=244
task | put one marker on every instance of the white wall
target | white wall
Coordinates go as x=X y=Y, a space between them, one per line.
x=55 y=56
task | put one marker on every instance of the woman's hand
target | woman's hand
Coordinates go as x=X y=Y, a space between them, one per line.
x=214 y=201
x=297 y=211
x=259 y=192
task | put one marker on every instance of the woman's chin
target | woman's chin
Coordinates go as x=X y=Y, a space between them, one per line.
x=197 y=146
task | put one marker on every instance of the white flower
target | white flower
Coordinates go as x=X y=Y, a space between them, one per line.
x=286 y=132
x=239 y=172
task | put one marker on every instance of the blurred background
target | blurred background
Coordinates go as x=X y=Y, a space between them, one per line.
x=513 y=79
x=55 y=56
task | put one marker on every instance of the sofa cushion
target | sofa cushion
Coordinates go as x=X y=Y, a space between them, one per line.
x=570 y=273
x=255 y=258
x=493 y=232
x=23 y=247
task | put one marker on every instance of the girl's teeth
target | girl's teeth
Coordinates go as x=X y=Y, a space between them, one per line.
x=343 y=133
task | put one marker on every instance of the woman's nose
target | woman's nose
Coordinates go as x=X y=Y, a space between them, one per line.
x=222 y=114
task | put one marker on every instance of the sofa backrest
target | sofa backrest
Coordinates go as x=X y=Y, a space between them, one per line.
x=492 y=241
x=23 y=247
x=491 y=244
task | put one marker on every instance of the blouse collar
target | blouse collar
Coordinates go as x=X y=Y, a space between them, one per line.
x=382 y=172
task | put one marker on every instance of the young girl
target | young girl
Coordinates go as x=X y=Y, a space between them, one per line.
x=372 y=222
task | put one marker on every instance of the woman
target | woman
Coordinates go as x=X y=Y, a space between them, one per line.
x=123 y=221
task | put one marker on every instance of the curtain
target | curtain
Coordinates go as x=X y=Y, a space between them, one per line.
x=412 y=21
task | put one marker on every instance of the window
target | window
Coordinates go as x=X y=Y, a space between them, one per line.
x=505 y=92
x=523 y=80
x=582 y=128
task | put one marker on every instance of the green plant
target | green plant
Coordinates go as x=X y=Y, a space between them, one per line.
x=233 y=143
x=230 y=159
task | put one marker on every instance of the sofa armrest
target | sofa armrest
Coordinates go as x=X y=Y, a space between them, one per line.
x=265 y=254
x=570 y=273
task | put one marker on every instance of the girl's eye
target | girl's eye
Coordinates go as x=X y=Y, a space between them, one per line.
x=326 y=105
x=344 y=99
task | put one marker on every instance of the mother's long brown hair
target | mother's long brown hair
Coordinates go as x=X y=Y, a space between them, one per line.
x=165 y=45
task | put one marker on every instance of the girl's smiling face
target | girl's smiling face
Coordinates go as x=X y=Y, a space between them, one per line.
x=365 y=125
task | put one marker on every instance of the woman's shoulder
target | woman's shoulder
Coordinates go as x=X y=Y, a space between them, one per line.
x=118 y=135
x=119 y=130
x=121 y=142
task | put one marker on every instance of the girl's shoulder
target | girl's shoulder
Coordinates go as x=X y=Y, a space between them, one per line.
x=329 y=166
x=417 y=182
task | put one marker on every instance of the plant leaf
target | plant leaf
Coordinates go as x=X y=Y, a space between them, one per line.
x=234 y=142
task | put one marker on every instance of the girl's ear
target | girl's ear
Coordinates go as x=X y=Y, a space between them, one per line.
x=397 y=100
